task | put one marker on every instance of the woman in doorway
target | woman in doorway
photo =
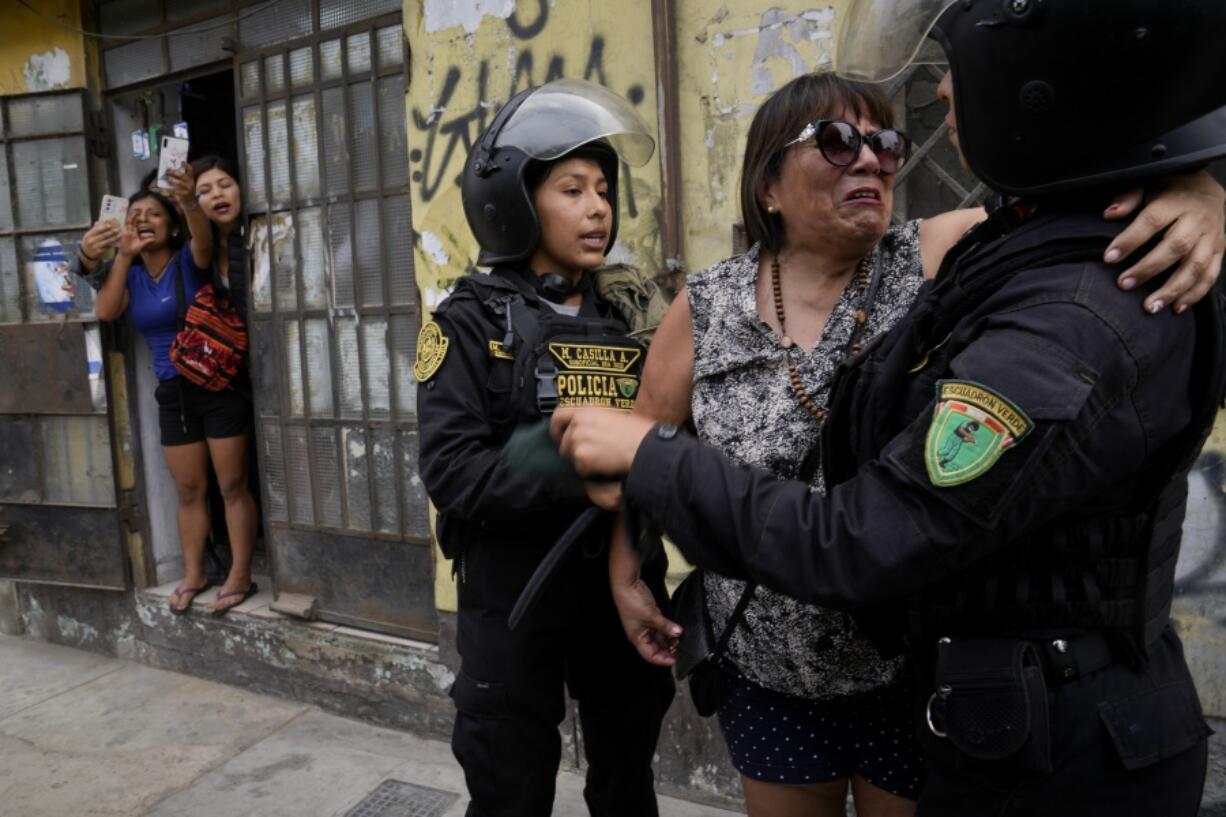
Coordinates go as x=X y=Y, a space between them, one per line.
x=163 y=257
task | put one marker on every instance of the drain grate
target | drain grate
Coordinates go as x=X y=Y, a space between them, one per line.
x=395 y=798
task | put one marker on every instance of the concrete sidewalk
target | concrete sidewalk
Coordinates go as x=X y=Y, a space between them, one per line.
x=84 y=734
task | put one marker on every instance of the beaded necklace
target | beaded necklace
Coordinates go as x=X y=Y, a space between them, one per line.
x=788 y=345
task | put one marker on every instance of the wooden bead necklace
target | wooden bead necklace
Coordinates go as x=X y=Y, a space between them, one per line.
x=787 y=344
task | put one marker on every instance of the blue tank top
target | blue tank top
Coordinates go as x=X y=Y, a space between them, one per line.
x=154 y=310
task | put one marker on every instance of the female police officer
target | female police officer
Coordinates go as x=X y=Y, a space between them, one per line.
x=1011 y=459
x=540 y=194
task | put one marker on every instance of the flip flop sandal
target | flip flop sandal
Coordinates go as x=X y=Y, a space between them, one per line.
x=251 y=590
x=191 y=593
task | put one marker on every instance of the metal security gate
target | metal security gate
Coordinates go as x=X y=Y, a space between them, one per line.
x=335 y=315
x=934 y=181
x=58 y=517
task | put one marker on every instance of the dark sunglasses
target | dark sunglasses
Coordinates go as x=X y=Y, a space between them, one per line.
x=840 y=143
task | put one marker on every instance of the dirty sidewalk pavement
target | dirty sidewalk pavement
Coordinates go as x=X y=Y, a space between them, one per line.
x=85 y=734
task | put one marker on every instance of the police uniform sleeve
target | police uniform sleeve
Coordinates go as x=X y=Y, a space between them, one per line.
x=462 y=460
x=900 y=523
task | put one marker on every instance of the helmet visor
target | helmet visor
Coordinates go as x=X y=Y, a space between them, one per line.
x=568 y=113
x=879 y=39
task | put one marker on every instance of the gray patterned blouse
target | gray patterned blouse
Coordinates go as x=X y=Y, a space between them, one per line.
x=743 y=405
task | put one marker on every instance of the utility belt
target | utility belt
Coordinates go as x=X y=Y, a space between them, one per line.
x=990 y=695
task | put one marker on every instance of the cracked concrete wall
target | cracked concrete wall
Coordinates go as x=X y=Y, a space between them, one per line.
x=387 y=684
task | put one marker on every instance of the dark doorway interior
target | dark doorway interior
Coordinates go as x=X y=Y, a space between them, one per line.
x=207 y=106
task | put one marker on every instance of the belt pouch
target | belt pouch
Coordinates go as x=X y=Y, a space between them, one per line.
x=991 y=702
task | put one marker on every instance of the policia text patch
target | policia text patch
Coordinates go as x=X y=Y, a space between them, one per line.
x=596 y=374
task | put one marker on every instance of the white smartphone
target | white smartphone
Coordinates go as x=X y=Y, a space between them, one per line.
x=114 y=208
x=173 y=156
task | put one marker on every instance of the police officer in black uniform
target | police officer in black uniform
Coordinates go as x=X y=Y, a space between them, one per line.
x=507 y=347
x=1008 y=466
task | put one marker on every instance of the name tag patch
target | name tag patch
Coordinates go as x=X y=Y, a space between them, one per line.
x=497 y=350
x=592 y=374
x=971 y=427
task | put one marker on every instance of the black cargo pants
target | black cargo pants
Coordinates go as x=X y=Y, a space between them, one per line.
x=509 y=693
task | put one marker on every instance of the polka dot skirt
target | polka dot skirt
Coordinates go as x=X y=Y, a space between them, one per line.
x=777 y=738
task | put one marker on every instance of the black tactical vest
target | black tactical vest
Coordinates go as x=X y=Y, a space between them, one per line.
x=547 y=360
x=1111 y=570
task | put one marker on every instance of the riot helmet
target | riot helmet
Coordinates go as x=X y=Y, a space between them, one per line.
x=560 y=119
x=1055 y=95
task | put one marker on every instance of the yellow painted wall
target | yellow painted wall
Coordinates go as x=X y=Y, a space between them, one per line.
x=35 y=53
x=732 y=54
x=469 y=57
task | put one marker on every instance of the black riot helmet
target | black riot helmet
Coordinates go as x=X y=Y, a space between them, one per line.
x=1058 y=95
x=557 y=120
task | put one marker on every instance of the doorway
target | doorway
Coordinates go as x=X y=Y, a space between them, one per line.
x=317 y=103
x=203 y=108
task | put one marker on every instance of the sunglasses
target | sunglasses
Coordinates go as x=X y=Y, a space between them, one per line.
x=840 y=143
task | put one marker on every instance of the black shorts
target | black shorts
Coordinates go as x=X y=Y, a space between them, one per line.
x=777 y=738
x=211 y=414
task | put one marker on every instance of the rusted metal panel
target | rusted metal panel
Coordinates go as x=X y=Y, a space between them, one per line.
x=76 y=546
x=373 y=583
x=43 y=368
x=19 y=465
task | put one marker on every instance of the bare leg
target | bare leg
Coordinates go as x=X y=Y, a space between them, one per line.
x=189 y=467
x=809 y=800
x=875 y=802
x=229 y=455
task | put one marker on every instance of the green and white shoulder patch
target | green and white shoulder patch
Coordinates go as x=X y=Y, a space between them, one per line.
x=971 y=427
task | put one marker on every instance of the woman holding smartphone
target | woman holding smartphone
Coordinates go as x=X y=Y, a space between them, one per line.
x=163 y=258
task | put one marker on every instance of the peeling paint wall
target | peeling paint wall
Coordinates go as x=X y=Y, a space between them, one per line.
x=468 y=58
x=732 y=55
x=37 y=55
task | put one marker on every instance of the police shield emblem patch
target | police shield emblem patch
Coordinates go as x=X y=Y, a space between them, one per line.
x=971 y=427
x=431 y=349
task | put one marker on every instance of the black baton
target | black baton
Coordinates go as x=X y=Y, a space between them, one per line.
x=550 y=564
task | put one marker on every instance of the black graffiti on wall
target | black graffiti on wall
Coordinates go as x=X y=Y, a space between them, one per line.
x=448 y=133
